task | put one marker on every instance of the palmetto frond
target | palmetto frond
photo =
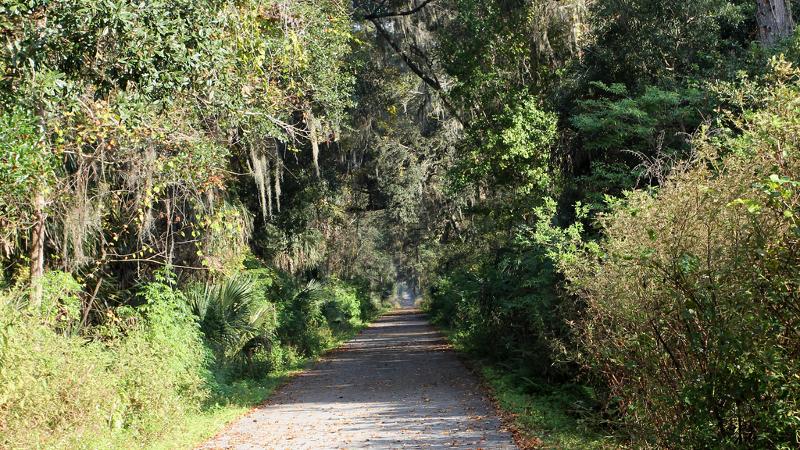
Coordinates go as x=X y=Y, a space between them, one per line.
x=231 y=314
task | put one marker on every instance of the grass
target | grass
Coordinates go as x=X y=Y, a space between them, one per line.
x=542 y=414
x=201 y=426
x=545 y=415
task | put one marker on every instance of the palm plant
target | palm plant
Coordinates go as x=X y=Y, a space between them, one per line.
x=233 y=316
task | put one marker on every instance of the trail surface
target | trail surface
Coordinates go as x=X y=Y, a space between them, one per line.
x=397 y=385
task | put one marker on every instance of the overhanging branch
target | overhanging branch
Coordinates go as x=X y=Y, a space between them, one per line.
x=413 y=10
x=431 y=81
x=406 y=59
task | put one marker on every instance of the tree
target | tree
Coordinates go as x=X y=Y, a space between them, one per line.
x=774 y=21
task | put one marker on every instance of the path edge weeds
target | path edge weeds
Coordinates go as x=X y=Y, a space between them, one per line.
x=522 y=440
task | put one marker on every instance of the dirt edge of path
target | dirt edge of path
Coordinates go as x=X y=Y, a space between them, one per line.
x=508 y=419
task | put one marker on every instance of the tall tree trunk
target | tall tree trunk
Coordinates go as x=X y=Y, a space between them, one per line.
x=775 y=21
x=37 y=249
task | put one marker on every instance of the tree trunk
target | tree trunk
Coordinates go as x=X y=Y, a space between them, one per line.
x=37 y=249
x=775 y=21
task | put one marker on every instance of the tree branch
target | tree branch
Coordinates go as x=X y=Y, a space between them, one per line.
x=407 y=59
x=430 y=81
x=413 y=10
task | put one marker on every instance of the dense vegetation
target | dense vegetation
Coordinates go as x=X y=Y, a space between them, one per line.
x=613 y=200
x=599 y=199
x=173 y=215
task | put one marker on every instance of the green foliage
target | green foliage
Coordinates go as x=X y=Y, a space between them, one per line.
x=504 y=307
x=234 y=316
x=151 y=368
x=144 y=110
x=558 y=416
x=652 y=210
x=302 y=323
x=514 y=151
x=633 y=139
x=62 y=391
x=59 y=368
x=691 y=296
x=640 y=42
x=637 y=123
x=496 y=48
x=500 y=184
x=161 y=363
x=26 y=166
x=342 y=306
x=61 y=304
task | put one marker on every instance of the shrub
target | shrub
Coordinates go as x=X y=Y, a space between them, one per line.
x=504 y=307
x=302 y=324
x=692 y=304
x=61 y=305
x=63 y=391
x=235 y=317
x=140 y=373
x=162 y=362
x=55 y=391
x=341 y=305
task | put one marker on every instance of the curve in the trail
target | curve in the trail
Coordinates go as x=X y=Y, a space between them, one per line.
x=397 y=385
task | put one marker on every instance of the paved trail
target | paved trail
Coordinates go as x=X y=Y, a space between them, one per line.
x=397 y=385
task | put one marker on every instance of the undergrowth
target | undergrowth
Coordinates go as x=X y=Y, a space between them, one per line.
x=543 y=414
x=155 y=375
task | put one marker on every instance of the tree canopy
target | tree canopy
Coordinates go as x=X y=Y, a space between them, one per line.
x=599 y=198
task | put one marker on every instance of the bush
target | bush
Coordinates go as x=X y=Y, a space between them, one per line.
x=312 y=315
x=302 y=324
x=235 y=317
x=281 y=358
x=692 y=298
x=62 y=391
x=139 y=374
x=55 y=391
x=504 y=307
x=342 y=305
x=162 y=362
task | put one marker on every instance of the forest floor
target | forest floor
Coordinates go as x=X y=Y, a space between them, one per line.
x=396 y=385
